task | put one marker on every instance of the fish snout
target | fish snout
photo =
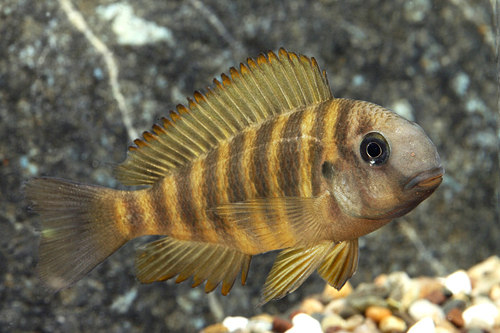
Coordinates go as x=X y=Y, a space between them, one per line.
x=426 y=180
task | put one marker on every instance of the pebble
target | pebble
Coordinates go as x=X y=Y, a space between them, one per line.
x=377 y=313
x=312 y=305
x=423 y=308
x=427 y=285
x=281 y=325
x=424 y=325
x=305 y=323
x=392 y=324
x=455 y=317
x=485 y=275
x=480 y=316
x=436 y=297
x=331 y=293
x=462 y=302
x=495 y=293
x=354 y=321
x=215 y=328
x=368 y=326
x=454 y=303
x=262 y=323
x=334 y=321
x=458 y=282
x=235 y=323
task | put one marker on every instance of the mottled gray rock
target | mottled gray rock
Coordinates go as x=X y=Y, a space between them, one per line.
x=59 y=116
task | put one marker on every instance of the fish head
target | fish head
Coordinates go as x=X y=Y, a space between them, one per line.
x=387 y=165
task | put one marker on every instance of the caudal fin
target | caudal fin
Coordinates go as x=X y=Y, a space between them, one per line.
x=77 y=228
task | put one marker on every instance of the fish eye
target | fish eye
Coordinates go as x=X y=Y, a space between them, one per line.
x=374 y=149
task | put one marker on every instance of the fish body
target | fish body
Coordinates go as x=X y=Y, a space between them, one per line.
x=268 y=160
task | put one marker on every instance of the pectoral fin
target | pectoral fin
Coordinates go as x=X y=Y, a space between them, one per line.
x=291 y=268
x=340 y=264
x=279 y=222
x=168 y=257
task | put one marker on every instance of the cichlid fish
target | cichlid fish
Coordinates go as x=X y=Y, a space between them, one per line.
x=267 y=160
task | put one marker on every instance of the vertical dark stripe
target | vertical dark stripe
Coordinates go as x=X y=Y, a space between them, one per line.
x=259 y=168
x=185 y=200
x=316 y=147
x=236 y=192
x=342 y=125
x=211 y=193
x=159 y=205
x=289 y=156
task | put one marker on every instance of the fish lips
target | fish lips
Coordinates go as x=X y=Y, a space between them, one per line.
x=426 y=181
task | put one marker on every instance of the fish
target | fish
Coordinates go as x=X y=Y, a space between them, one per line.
x=267 y=159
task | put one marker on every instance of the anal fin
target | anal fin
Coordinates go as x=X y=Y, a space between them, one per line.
x=340 y=264
x=165 y=258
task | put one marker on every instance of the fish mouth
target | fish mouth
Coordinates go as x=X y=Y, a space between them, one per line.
x=426 y=179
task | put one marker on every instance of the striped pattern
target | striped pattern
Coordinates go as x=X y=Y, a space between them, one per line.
x=281 y=157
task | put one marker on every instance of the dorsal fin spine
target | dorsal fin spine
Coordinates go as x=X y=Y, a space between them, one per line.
x=304 y=78
x=278 y=67
x=172 y=154
x=268 y=76
x=213 y=102
x=204 y=121
x=225 y=98
x=175 y=148
x=241 y=91
x=221 y=97
x=195 y=132
x=247 y=73
x=290 y=72
x=276 y=71
x=181 y=135
x=234 y=94
x=263 y=86
x=197 y=128
x=244 y=90
x=204 y=107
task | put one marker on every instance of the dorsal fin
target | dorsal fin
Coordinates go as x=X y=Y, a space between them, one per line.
x=260 y=89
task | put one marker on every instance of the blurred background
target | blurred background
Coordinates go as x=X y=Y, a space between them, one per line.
x=80 y=80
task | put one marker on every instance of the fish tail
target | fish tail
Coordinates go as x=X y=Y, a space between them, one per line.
x=79 y=229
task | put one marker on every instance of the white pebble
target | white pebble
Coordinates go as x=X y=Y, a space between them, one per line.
x=235 y=323
x=424 y=325
x=458 y=282
x=480 y=316
x=305 y=323
x=423 y=308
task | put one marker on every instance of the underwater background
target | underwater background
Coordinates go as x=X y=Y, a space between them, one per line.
x=80 y=80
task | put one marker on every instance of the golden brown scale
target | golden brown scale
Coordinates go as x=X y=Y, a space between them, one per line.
x=266 y=160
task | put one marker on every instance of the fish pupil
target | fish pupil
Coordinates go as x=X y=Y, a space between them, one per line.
x=374 y=149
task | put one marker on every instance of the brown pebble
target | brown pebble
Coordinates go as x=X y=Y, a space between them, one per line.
x=281 y=325
x=215 y=328
x=331 y=293
x=427 y=285
x=392 y=324
x=436 y=297
x=311 y=305
x=455 y=316
x=294 y=313
x=377 y=313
